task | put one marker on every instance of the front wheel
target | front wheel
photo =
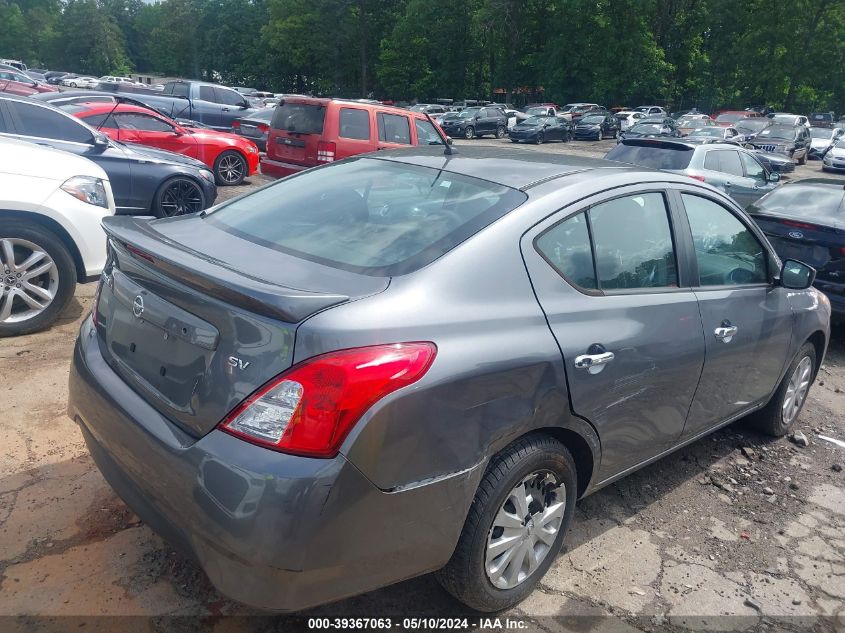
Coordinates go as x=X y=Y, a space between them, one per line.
x=539 y=139
x=599 y=136
x=777 y=417
x=230 y=168
x=500 y=132
x=73 y=85
x=37 y=278
x=469 y=133
x=178 y=196
x=515 y=526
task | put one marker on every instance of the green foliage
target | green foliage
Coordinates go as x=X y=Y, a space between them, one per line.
x=618 y=52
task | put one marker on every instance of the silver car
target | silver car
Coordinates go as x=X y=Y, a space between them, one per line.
x=416 y=361
x=725 y=165
x=834 y=159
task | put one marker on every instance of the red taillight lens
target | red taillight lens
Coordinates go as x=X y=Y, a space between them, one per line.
x=263 y=127
x=310 y=409
x=94 y=315
x=236 y=125
x=798 y=225
x=325 y=152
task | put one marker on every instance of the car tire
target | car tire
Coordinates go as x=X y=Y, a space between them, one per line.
x=535 y=462
x=500 y=132
x=778 y=416
x=178 y=196
x=73 y=85
x=230 y=168
x=469 y=132
x=538 y=140
x=59 y=279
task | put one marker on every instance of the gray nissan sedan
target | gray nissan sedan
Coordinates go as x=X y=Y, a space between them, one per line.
x=413 y=362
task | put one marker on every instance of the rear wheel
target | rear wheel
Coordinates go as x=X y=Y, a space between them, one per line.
x=230 y=168
x=500 y=132
x=539 y=139
x=178 y=196
x=515 y=526
x=777 y=417
x=37 y=278
x=469 y=132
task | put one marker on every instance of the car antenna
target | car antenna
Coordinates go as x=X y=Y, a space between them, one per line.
x=448 y=151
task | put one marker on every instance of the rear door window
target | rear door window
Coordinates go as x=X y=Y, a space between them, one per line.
x=393 y=128
x=302 y=118
x=354 y=124
x=365 y=215
x=207 y=94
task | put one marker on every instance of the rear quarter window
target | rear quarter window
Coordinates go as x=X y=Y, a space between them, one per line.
x=369 y=216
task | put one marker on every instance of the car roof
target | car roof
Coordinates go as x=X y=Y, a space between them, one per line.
x=97 y=107
x=519 y=169
x=327 y=100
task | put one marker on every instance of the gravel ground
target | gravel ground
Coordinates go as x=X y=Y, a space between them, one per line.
x=734 y=532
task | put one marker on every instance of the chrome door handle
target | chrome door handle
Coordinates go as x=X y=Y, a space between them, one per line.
x=726 y=332
x=593 y=362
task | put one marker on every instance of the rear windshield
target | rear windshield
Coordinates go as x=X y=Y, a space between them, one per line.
x=729 y=118
x=659 y=157
x=805 y=201
x=305 y=118
x=368 y=216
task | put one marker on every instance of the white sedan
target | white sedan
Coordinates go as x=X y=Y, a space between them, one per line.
x=52 y=204
x=81 y=82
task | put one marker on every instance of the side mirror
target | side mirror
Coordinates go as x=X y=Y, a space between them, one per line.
x=797 y=275
x=774 y=177
x=100 y=142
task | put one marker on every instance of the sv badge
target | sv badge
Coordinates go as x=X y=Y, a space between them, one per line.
x=237 y=363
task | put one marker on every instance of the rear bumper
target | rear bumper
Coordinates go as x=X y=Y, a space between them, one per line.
x=836 y=294
x=278 y=169
x=271 y=530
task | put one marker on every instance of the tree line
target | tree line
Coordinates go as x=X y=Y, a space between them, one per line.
x=681 y=53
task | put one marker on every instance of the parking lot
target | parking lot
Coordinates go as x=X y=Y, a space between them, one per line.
x=737 y=524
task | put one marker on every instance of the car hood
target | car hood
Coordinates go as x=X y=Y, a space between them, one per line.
x=151 y=154
x=820 y=143
x=838 y=152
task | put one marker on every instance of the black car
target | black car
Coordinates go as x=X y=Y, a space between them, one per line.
x=822 y=119
x=538 y=129
x=749 y=128
x=255 y=127
x=805 y=220
x=477 y=122
x=144 y=180
x=790 y=140
x=597 y=126
x=662 y=127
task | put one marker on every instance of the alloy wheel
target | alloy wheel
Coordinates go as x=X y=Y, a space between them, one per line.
x=29 y=280
x=180 y=197
x=524 y=529
x=231 y=169
x=796 y=390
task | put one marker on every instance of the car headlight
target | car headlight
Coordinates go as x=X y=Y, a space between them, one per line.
x=252 y=149
x=87 y=189
x=207 y=175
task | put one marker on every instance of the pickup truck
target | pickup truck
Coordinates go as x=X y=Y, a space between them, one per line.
x=210 y=104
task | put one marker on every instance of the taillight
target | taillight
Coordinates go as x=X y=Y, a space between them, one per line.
x=311 y=408
x=698 y=177
x=94 y=315
x=263 y=127
x=798 y=225
x=842 y=250
x=236 y=125
x=325 y=152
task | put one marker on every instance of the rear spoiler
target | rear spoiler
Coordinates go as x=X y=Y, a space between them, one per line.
x=134 y=237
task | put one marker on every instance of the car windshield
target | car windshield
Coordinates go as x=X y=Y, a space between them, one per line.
x=642 y=109
x=778 y=132
x=752 y=125
x=803 y=200
x=714 y=132
x=646 y=128
x=369 y=216
x=592 y=119
x=840 y=144
x=785 y=118
x=304 y=118
x=537 y=120
x=451 y=115
x=820 y=132
x=729 y=118
x=468 y=114
x=688 y=121
x=537 y=110
x=662 y=156
x=419 y=107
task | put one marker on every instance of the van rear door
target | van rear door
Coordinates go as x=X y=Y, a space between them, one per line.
x=296 y=130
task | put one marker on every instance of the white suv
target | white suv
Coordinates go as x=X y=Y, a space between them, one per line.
x=51 y=207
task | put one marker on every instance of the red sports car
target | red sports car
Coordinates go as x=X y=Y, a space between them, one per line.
x=19 y=84
x=231 y=157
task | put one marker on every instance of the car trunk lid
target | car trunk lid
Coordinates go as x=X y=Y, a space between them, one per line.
x=196 y=319
x=820 y=246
